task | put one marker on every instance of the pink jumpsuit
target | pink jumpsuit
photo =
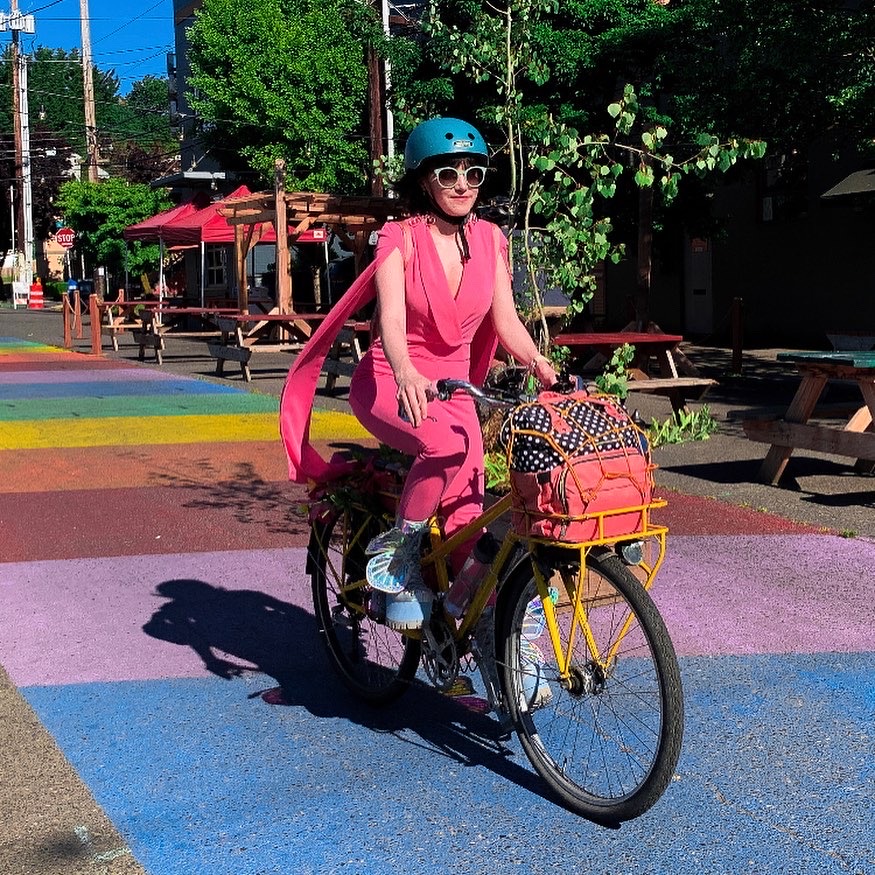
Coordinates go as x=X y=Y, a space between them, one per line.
x=447 y=472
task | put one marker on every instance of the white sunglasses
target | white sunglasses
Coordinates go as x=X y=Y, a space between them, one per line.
x=448 y=177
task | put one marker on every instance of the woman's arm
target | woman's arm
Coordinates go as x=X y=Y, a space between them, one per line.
x=414 y=390
x=512 y=334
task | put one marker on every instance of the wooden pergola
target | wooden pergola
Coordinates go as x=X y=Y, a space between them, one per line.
x=291 y=213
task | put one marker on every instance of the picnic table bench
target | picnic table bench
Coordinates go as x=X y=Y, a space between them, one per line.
x=854 y=438
x=676 y=379
x=351 y=340
x=108 y=318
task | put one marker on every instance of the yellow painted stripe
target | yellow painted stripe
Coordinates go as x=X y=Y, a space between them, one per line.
x=36 y=348
x=132 y=431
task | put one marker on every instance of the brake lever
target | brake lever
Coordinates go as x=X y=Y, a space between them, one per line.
x=567 y=384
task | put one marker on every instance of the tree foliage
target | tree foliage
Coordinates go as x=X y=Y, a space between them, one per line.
x=783 y=71
x=136 y=142
x=560 y=177
x=99 y=213
x=144 y=115
x=286 y=79
x=787 y=71
x=711 y=82
x=56 y=102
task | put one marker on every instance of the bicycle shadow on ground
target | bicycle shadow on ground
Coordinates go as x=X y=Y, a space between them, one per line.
x=237 y=632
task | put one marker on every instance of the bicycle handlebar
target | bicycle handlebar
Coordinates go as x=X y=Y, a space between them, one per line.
x=446 y=388
x=497 y=397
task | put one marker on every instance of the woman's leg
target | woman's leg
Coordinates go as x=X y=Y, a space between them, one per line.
x=463 y=496
x=440 y=447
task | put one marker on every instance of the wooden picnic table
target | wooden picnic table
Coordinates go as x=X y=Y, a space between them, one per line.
x=670 y=381
x=854 y=438
x=156 y=322
x=242 y=334
x=111 y=318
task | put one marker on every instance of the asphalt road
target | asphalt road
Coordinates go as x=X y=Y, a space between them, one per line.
x=167 y=708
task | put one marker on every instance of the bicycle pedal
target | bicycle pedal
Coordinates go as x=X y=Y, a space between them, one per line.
x=340 y=617
x=505 y=725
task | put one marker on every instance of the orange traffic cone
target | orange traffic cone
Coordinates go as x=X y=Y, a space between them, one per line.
x=36 y=295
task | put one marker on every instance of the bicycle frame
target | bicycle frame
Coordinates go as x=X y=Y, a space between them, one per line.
x=440 y=550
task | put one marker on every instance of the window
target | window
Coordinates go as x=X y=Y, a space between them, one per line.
x=216 y=260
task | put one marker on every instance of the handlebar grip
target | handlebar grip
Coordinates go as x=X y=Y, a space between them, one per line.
x=445 y=388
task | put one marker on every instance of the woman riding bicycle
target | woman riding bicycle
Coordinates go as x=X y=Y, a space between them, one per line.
x=444 y=301
x=575 y=657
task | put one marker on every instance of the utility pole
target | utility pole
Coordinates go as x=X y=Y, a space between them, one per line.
x=88 y=91
x=26 y=186
x=16 y=22
x=16 y=108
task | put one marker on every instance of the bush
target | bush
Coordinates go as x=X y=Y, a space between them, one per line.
x=686 y=425
x=55 y=290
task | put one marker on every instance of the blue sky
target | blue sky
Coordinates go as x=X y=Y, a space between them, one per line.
x=131 y=37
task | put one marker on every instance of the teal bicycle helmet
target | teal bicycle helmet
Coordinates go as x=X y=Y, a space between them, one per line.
x=444 y=136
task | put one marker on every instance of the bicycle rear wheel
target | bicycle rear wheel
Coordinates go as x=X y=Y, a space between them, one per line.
x=374 y=661
x=606 y=734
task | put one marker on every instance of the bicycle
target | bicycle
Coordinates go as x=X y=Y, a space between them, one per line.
x=607 y=738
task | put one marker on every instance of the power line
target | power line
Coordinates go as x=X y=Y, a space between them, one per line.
x=127 y=23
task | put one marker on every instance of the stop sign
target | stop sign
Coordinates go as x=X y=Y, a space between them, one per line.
x=66 y=237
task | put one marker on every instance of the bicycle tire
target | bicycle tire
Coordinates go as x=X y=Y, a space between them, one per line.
x=375 y=662
x=608 y=740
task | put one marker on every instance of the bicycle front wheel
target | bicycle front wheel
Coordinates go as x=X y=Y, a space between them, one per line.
x=600 y=717
x=374 y=661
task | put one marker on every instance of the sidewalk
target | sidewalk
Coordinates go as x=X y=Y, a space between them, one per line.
x=168 y=707
x=817 y=489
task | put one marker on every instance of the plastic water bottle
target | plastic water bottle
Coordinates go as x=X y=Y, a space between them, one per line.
x=470 y=575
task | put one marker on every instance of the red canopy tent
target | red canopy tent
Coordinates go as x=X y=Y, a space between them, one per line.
x=206 y=225
x=153 y=227
x=198 y=222
x=194 y=223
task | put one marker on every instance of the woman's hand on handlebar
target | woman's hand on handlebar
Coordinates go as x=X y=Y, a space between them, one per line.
x=544 y=371
x=414 y=393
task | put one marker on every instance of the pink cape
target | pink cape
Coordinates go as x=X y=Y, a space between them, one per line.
x=299 y=392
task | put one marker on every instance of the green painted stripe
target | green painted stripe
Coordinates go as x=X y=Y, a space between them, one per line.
x=119 y=406
x=134 y=431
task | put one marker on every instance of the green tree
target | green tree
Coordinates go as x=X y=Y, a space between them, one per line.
x=145 y=115
x=286 y=79
x=784 y=70
x=561 y=177
x=99 y=213
x=705 y=74
x=55 y=95
x=144 y=147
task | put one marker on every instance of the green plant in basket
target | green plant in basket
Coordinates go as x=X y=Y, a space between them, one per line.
x=614 y=379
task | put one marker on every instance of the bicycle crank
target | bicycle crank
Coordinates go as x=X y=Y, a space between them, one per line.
x=440 y=659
